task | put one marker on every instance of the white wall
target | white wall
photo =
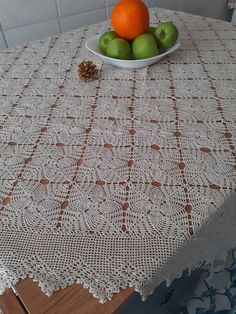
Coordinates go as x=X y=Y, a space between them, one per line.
x=211 y=8
x=26 y=20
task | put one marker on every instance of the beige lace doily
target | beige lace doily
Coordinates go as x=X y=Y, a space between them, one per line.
x=106 y=183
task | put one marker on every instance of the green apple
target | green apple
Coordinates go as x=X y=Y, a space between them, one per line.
x=151 y=30
x=118 y=48
x=144 y=46
x=104 y=40
x=166 y=34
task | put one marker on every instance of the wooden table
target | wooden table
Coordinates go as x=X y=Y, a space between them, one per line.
x=28 y=298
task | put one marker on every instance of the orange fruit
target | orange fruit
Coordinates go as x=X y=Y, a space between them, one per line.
x=130 y=18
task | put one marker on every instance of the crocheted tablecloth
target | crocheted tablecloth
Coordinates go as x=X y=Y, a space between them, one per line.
x=114 y=182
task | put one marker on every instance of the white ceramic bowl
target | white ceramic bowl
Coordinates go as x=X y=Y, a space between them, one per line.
x=92 y=45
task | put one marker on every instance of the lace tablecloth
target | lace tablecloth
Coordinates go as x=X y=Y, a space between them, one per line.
x=120 y=181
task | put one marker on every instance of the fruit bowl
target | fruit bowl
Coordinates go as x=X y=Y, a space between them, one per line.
x=92 y=45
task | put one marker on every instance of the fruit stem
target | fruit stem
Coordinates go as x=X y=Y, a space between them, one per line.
x=162 y=33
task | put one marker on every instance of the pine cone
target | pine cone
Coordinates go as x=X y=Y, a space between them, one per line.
x=87 y=71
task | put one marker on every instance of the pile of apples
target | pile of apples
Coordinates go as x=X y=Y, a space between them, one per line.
x=155 y=41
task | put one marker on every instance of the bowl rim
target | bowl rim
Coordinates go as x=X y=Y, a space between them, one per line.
x=100 y=54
